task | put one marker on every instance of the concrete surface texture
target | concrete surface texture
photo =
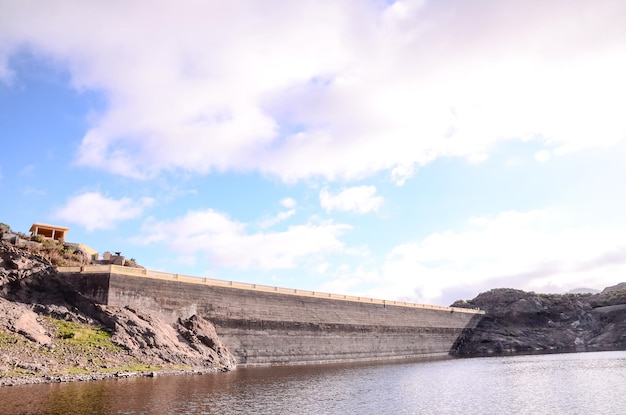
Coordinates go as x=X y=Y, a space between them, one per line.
x=266 y=328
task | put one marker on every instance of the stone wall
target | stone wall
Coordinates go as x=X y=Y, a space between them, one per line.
x=263 y=328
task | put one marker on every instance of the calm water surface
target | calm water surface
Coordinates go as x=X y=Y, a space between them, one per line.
x=581 y=383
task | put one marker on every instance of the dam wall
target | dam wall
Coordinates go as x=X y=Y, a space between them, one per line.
x=268 y=325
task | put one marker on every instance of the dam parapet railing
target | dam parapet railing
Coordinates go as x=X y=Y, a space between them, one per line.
x=142 y=272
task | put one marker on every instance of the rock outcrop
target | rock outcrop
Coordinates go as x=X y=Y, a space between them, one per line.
x=518 y=321
x=33 y=302
x=190 y=342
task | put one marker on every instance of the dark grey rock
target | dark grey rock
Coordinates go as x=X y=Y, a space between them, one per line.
x=520 y=322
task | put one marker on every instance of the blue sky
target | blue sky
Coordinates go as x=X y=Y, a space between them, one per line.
x=413 y=150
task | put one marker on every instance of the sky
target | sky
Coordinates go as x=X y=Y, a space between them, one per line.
x=420 y=151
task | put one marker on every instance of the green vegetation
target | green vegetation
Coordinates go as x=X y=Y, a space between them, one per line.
x=17 y=372
x=8 y=342
x=7 y=339
x=77 y=349
x=75 y=371
x=83 y=335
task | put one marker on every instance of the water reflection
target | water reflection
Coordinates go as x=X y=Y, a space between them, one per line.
x=571 y=383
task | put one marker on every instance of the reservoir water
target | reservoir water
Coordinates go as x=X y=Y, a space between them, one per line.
x=576 y=383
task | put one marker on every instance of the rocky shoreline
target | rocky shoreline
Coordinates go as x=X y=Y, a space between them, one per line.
x=62 y=378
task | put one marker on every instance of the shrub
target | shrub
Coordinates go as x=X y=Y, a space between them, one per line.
x=4 y=228
x=37 y=238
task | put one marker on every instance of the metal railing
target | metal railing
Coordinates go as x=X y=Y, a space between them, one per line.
x=161 y=275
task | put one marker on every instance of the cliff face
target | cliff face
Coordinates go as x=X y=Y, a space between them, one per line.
x=48 y=331
x=518 y=321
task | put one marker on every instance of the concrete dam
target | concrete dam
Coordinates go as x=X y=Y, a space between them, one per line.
x=264 y=325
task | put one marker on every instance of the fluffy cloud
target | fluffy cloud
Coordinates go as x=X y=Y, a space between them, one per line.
x=288 y=203
x=359 y=199
x=338 y=89
x=227 y=243
x=94 y=211
x=532 y=250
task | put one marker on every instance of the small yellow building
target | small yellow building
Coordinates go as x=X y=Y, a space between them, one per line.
x=49 y=231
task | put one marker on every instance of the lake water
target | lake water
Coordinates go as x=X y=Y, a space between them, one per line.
x=577 y=383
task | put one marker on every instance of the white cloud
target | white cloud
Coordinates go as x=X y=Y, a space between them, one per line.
x=401 y=173
x=94 y=211
x=288 y=203
x=358 y=199
x=321 y=268
x=533 y=251
x=524 y=250
x=227 y=243
x=269 y=222
x=542 y=155
x=351 y=281
x=338 y=89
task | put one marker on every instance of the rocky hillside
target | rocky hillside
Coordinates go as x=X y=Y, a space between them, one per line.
x=49 y=332
x=518 y=321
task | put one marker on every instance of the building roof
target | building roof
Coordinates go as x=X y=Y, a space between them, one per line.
x=37 y=225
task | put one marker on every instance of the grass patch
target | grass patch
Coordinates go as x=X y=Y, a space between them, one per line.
x=7 y=340
x=75 y=371
x=11 y=341
x=17 y=373
x=82 y=335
